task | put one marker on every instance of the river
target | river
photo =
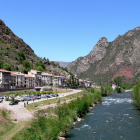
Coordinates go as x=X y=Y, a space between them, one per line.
x=116 y=118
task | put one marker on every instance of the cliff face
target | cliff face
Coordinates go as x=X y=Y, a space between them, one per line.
x=110 y=59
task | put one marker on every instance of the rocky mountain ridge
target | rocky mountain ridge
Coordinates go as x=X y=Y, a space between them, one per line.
x=63 y=64
x=110 y=59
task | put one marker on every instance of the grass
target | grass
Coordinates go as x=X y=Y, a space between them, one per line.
x=32 y=107
x=11 y=132
x=61 y=90
x=8 y=128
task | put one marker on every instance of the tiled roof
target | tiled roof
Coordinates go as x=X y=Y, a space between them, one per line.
x=17 y=73
x=44 y=73
x=29 y=76
x=4 y=71
x=57 y=76
x=13 y=74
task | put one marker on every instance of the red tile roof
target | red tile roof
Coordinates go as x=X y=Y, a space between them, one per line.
x=13 y=75
x=4 y=71
x=29 y=76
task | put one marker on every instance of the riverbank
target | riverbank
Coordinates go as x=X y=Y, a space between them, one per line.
x=62 y=120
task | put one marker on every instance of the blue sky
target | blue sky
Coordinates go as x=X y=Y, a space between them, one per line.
x=63 y=30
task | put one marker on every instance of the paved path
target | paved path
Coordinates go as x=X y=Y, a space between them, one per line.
x=19 y=112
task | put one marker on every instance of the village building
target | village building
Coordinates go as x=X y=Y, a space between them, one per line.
x=56 y=80
x=47 y=79
x=5 y=79
x=38 y=77
x=88 y=84
x=81 y=82
x=20 y=79
x=29 y=81
x=13 y=81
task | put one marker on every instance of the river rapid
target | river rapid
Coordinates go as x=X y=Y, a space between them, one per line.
x=116 y=118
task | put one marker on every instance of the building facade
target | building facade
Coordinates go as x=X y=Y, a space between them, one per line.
x=29 y=81
x=5 y=79
x=38 y=77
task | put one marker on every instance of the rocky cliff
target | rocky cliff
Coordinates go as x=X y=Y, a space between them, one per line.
x=107 y=60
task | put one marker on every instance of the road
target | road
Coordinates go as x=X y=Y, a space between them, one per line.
x=19 y=112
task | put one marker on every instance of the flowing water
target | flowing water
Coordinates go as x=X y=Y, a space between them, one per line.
x=116 y=118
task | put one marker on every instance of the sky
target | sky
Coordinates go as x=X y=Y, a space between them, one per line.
x=63 y=30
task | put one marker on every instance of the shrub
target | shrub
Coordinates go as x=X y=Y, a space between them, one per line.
x=39 y=68
x=21 y=56
x=127 y=85
x=7 y=66
x=136 y=94
x=16 y=46
x=7 y=48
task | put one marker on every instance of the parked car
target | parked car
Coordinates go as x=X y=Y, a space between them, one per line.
x=13 y=103
x=38 y=97
x=32 y=97
x=1 y=97
x=52 y=95
x=27 y=99
x=20 y=99
x=43 y=96
x=1 y=100
x=48 y=96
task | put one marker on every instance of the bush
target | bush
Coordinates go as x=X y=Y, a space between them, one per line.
x=127 y=86
x=21 y=56
x=136 y=94
x=39 y=68
x=16 y=46
x=7 y=66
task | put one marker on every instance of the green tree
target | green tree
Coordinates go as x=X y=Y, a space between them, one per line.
x=16 y=68
x=40 y=63
x=24 y=70
x=44 y=58
x=27 y=65
x=118 y=83
x=7 y=66
x=118 y=80
x=136 y=94
x=21 y=56
x=39 y=68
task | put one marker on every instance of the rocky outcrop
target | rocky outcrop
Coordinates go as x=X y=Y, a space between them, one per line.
x=110 y=59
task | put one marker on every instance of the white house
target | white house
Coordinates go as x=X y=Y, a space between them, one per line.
x=5 y=79
x=113 y=86
x=29 y=81
x=47 y=78
x=37 y=75
x=20 y=79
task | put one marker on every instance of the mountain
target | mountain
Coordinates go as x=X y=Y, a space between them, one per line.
x=16 y=55
x=63 y=64
x=107 y=60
